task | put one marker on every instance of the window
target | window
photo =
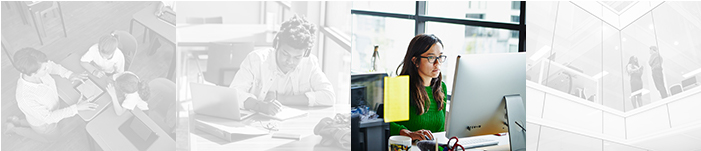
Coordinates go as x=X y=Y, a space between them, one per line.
x=515 y=5
x=464 y=27
x=515 y=19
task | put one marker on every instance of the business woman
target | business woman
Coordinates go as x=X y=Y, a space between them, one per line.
x=422 y=63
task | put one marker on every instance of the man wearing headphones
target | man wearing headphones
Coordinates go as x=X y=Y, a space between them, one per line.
x=287 y=74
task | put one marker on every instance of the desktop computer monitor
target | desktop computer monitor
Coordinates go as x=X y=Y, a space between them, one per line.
x=480 y=84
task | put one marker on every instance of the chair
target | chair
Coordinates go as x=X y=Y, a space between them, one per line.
x=214 y=20
x=689 y=83
x=42 y=8
x=162 y=104
x=355 y=132
x=194 y=20
x=204 y=20
x=224 y=60
x=128 y=45
x=675 y=89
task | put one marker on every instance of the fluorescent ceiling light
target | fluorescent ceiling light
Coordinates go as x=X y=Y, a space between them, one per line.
x=692 y=73
x=540 y=53
x=599 y=75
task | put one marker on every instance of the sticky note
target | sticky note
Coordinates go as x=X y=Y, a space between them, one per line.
x=396 y=98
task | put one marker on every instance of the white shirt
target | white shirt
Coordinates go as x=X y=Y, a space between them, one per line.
x=259 y=74
x=116 y=63
x=134 y=100
x=39 y=102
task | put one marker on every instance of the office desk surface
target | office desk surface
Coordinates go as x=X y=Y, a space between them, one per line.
x=105 y=130
x=502 y=146
x=304 y=126
x=70 y=95
x=203 y=34
x=147 y=17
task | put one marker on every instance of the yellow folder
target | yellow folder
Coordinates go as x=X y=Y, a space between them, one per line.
x=396 y=98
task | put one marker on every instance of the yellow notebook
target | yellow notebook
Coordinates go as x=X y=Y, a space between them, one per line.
x=396 y=98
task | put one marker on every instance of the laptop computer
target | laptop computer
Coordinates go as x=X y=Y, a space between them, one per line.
x=217 y=101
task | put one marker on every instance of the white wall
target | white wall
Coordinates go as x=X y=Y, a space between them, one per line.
x=240 y=12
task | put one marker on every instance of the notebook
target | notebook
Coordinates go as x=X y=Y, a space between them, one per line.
x=286 y=113
x=396 y=98
x=89 y=90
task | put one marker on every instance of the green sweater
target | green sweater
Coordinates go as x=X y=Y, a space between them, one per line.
x=432 y=120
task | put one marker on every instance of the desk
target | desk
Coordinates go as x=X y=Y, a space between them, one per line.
x=147 y=18
x=203 y=34
x=375 y=136
x=70 y=95
x=304 y=126
x=502 y=146
x=105 y=130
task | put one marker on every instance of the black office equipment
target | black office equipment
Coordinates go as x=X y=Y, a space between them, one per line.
x=138 y=133
x=358 y=95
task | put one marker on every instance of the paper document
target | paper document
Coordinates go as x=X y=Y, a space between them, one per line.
x=89 y=90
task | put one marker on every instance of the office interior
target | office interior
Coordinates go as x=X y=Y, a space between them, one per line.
x=581 y=95
x=206 y=28
x=464 y=27
x=62 y=29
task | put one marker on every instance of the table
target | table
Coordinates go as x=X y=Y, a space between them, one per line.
x=304 y=126
x=375 y=135
x=502 y=146
x=147 y=18
x=70 y=95
x=204 y=34
x=105 y=130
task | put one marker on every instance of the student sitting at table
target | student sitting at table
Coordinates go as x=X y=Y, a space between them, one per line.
x=105 y=56
x=128 y=92
x=286 y=74
x=37 y=97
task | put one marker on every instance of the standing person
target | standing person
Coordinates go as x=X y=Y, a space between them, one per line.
x=635 y=71
x=427 y=91
x=657 y=73
x=37 y=97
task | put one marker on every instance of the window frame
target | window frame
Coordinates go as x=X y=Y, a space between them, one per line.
x=420 y=18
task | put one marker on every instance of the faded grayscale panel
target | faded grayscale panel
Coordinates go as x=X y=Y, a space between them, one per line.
x=263 y=75
x=88 y=75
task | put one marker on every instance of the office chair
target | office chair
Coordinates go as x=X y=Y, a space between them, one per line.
x=162 y=105
x=194 y=20
x=689 y=83
x=214 y=20
x=128 y=45
x=224 y=60
x=675 y=89
x=355 y=132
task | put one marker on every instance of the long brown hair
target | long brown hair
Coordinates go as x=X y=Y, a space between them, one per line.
x=419 y=97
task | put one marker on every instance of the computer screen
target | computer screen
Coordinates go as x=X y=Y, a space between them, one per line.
x=480 y=83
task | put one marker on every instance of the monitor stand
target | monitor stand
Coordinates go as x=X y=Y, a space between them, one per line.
x=516 y=116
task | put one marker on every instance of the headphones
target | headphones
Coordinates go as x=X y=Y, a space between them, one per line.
x=125 y=72
x=276 y=43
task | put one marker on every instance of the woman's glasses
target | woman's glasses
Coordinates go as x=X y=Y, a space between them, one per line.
x=432 y=59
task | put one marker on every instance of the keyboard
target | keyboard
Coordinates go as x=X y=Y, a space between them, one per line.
x=477 y=142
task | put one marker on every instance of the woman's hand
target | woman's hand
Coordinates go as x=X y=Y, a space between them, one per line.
x=417 y=135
